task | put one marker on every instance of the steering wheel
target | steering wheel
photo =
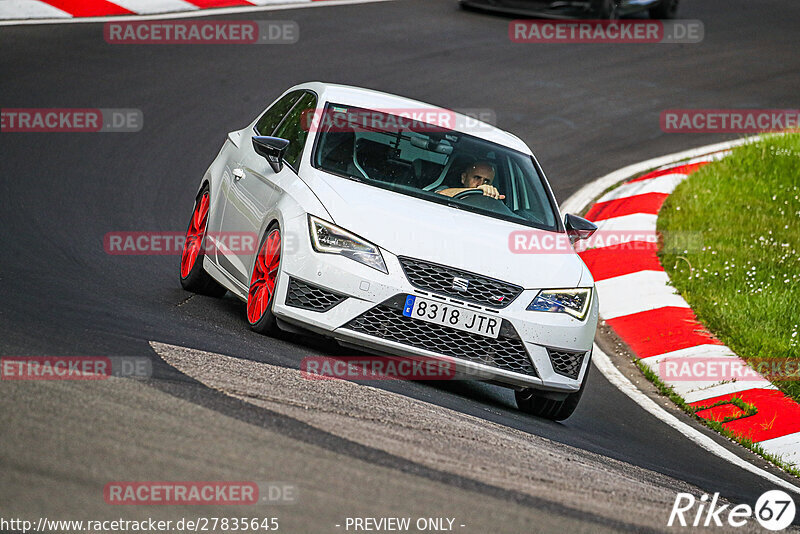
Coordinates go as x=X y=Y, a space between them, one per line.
x=467 y=193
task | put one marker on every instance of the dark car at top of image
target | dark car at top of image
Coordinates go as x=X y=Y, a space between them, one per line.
x=569 y=9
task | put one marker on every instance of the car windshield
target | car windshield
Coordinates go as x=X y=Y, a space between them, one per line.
x=402 y=154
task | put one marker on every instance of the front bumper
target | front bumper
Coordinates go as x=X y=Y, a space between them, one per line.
x=362 y=291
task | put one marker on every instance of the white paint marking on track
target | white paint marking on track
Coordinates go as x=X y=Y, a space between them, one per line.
x=726 y=389
x=670 y=368
x=636 y=292
x=787 y=447
x=150 y=7
x=645 y=222
x=709 y=157
x=603 y=363
x=272 y=2
x=697 y=390
x=698 y=351
x=660 y=184
x=624 y=229
x=30 y=9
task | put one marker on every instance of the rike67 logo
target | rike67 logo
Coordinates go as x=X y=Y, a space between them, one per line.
x=774 y=510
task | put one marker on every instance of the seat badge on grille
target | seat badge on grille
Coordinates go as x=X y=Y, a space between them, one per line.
x=460 y=284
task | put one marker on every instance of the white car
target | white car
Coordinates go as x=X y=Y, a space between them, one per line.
x=386 y=223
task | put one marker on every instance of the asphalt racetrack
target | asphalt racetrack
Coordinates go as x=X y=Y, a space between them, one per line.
x=225 y=403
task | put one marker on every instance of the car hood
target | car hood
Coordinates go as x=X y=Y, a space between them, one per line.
x=408 y=226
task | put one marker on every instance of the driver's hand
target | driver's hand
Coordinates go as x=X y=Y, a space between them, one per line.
x=491 y=191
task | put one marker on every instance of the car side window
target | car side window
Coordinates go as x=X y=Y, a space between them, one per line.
x=292 y=129
x=272 y=117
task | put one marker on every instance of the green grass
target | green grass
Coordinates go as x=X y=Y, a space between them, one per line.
x=742 y=276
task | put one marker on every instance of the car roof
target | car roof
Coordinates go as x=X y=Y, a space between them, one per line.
x=377 y=100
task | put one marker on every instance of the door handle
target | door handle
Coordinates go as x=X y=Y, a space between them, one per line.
x=238 y=174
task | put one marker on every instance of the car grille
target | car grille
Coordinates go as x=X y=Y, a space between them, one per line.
x=310 y=297
x=387 y=321
x=440 y=279
x=566 y=363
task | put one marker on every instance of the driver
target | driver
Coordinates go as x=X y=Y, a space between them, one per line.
x=479 y=175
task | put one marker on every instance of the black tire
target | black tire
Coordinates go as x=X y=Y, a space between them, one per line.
x=606 y=9
x=197 y=280
x=267 y=324
x=666 y=9
x=535 y=403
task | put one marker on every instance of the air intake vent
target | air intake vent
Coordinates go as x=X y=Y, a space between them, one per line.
x=310 y=297
x=566 y=363
x=387 y=321
x=458 y=284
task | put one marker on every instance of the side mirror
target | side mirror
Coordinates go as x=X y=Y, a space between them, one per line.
x=272 y=149
x=578 y=228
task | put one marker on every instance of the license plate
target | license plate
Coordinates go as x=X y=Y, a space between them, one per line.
x=459 y=318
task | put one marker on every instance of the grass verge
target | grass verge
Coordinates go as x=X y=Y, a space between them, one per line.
x=731 y=247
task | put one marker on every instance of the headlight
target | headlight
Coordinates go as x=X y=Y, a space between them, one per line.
x=330 y=239
x=575 y=302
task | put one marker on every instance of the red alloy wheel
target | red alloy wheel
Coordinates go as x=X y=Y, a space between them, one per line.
x=194 y=236
x=265 y=275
